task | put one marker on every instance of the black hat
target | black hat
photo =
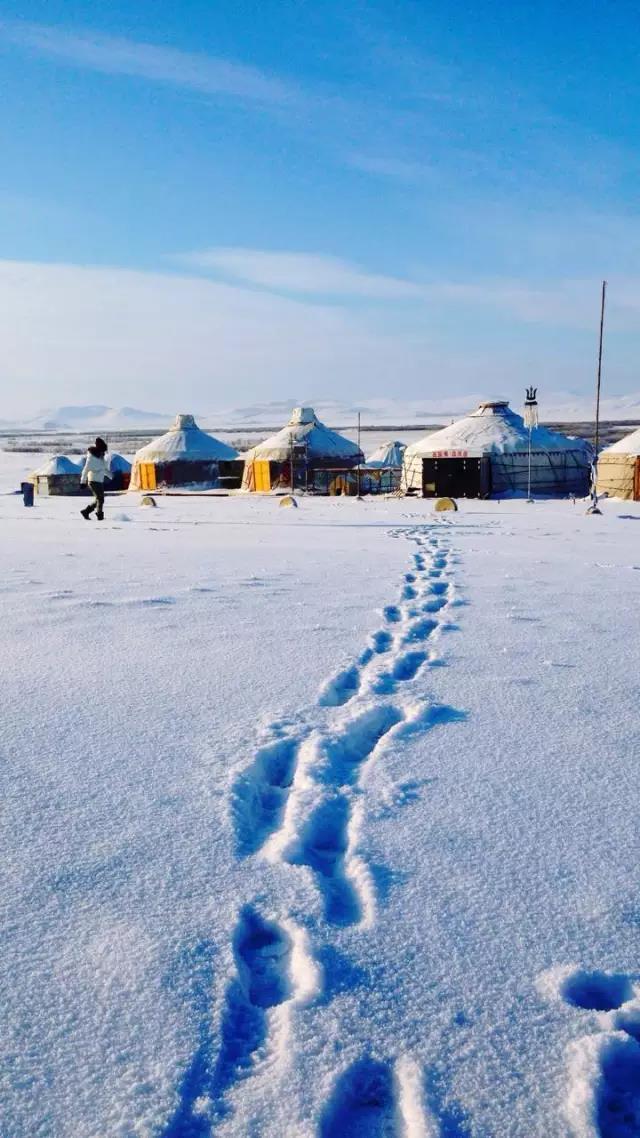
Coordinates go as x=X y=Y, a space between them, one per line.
x=100 y=444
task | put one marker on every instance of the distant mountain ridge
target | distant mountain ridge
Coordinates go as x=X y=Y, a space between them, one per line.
x=92 y=417
x=567 y=407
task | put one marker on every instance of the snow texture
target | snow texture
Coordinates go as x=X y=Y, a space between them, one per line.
x=319 y=823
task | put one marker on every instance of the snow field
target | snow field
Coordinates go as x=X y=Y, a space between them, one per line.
x=279 y=866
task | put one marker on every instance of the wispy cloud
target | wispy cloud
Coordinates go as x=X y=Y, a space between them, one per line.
x=117 y=56
x=156 y=338
x=392 y=167
x=408 y=118
x=308 y=273
x=570 y=303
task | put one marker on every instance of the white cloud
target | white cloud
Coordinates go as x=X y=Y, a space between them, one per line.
x=310 y=273
x=72 y=334
x=392 y=167
x=75 y=335
x=118 y=56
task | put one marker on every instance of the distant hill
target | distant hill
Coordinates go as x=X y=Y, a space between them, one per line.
x=565 y=407
x=94 y=417
x=338 y=413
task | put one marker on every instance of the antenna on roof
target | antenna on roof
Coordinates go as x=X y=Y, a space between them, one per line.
x=594 y=508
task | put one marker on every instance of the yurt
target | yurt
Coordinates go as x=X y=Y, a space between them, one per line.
x=120 y=472
x=485 y=455
x=185 y=456
x=619 y=468
x=322 y=459
x=389 y=454
x=59 y=475
x=382 y=470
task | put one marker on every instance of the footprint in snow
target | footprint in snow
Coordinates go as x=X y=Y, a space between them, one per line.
x=322 y=847
x=604 y=1066
x=407 y=666
x=362 y=1104
x=259 y=795
x=420 y=630
x=381 y=641
x=342 y=753
x=262 y=954
x=439 y=588
x=435 y=605
x=341 y=688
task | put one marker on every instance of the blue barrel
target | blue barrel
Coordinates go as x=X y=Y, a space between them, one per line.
x=27 y=493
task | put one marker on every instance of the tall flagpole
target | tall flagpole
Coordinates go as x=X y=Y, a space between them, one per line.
x=359 y=495
x=604 y=297
x=593 y=508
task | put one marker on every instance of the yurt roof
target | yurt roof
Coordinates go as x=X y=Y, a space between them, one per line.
x=305 y=429
x=119 y=463
x=185 y=442
x=493 y=428
x=58 y=464
x=388 y=454
x=630 y=444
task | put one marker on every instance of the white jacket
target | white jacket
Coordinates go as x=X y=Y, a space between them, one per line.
x=95 y=469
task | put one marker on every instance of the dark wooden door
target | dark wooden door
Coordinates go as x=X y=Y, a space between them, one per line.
x=451 y=478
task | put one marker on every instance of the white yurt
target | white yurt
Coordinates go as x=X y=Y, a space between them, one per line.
x=390 y=454
x=485 y=455
x=185 y=456
x=59 y=475
x=619 y=468
x=322 y=459
x=381 y=473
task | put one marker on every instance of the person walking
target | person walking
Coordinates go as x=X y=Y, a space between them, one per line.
x=96 y=469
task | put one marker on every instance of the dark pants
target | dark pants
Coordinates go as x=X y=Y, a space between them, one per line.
x=97 y=489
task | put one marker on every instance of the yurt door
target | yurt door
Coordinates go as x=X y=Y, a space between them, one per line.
x=451 y=477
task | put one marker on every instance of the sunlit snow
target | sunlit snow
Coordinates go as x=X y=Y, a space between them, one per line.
x=319 y=823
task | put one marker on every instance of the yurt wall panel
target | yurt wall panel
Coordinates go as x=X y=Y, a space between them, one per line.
x=619 y=476
x=558 y=473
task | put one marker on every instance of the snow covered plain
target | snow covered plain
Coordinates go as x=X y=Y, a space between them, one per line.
x=319 y=822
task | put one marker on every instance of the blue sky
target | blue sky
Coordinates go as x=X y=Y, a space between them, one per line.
x=222 y=203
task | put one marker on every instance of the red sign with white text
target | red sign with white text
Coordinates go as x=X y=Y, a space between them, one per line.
x=450 y=454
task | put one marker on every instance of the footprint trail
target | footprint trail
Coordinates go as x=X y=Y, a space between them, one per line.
x=299 y=805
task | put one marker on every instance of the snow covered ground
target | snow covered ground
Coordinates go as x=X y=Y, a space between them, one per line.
x=319 y=822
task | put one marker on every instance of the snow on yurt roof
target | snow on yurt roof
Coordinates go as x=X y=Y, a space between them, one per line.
x=493 y=428
x=388 y=454
x=185 y=442
x=119 y=463
x=304 y=428
x=630 y=444
x=58 y=464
